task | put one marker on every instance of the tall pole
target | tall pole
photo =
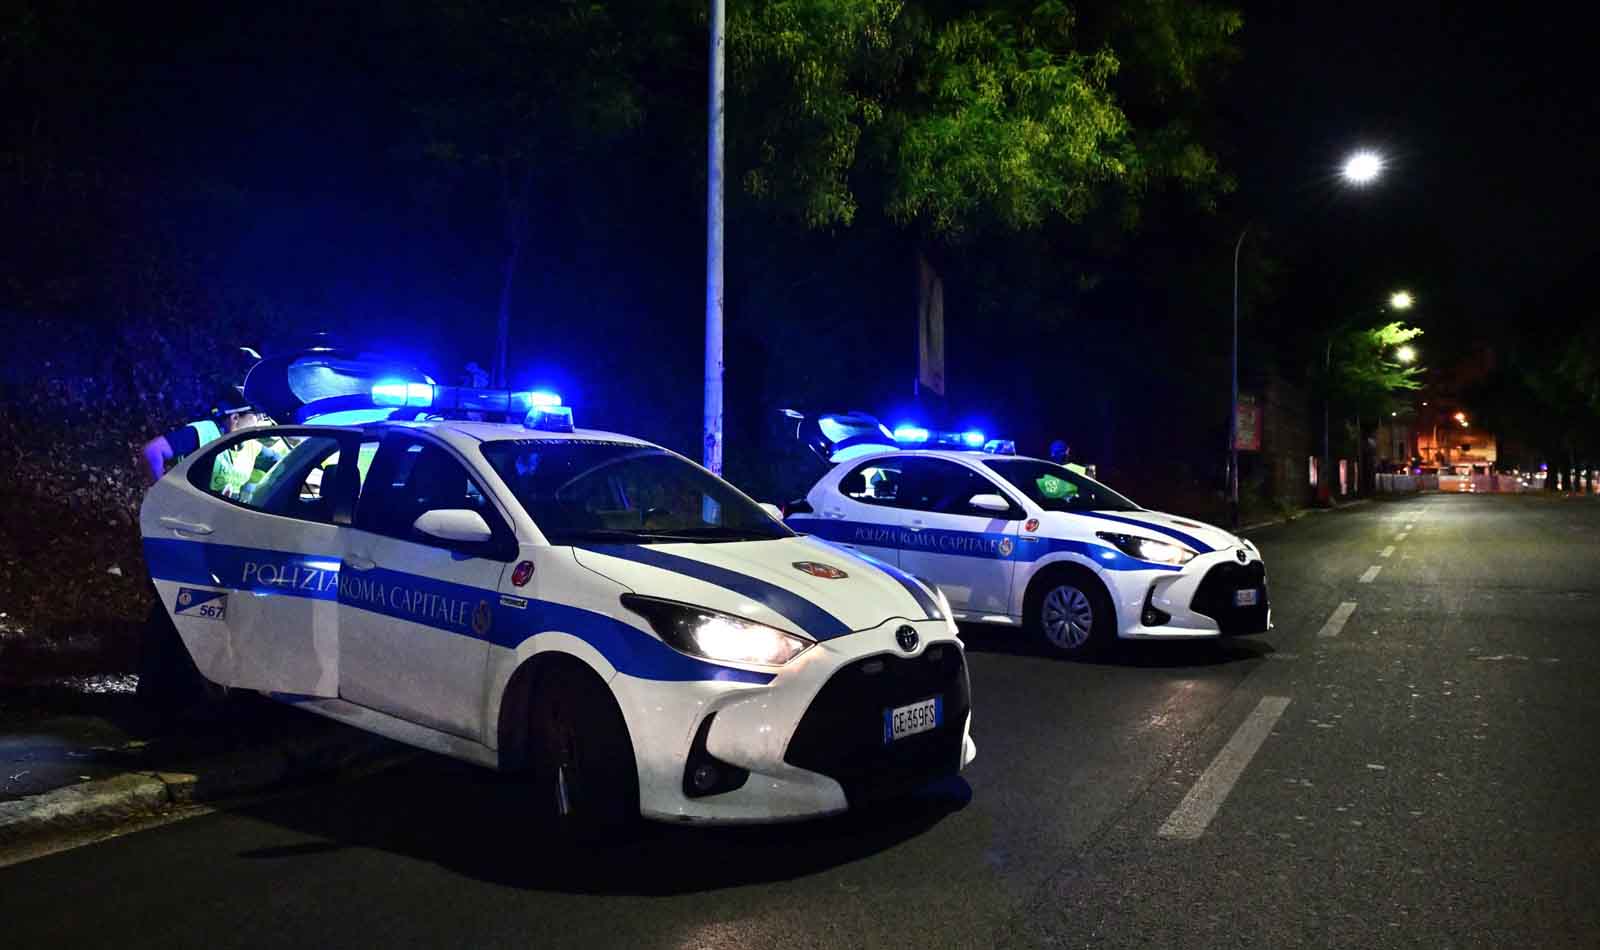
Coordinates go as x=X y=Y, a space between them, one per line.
x=713 y=408
x=1233 y=410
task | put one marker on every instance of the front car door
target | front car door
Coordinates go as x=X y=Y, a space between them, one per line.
x=968 y=552
x=243 y=545
x=861 y=510
x=416 y=612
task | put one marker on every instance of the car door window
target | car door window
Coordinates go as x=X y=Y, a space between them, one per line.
x=943 y=487
x=294 y=475
x=410 y=476
x=876 y=482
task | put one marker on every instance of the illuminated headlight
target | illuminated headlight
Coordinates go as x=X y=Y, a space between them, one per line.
x=1148 y=549
x=713 y=635
x=938 y=597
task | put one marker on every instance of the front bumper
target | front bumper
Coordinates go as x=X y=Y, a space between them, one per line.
x=811 y=740
x=1198 y=601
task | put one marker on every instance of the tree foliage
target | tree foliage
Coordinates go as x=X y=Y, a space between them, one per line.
x=950 y=117
x=1367 y=375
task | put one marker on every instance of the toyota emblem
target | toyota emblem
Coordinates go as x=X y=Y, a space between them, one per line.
x=907 y=638
x=1243 y=557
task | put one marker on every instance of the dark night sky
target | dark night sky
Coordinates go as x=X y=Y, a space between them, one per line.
x=1491 y=128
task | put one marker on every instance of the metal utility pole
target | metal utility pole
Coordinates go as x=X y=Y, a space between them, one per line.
x=1233 y=411
x=712 y=432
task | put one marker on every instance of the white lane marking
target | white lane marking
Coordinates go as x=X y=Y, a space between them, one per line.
x=1410 y=526
x=1337 y=620
x=1189 y=820
x=1386 y=551
x=1370 y=575
x=1401 y=536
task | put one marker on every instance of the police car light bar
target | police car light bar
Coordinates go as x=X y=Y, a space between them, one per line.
x=549 y=418
x=910 y=434
x=973 y=438
x=1000 y=447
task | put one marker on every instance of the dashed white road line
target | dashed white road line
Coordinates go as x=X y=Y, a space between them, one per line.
x=1386 y=551
x=1410 y=526
x=1189 y=820
x=1401 y=536
x=1337 y=620
x=1370 y=575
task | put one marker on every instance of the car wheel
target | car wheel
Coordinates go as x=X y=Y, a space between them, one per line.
x=169 y=681
x=585 y=782
x=1071 y=614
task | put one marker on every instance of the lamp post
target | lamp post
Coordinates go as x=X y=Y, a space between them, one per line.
x=1361 y=168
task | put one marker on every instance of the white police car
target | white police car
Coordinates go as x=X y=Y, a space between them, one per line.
x=631 y=631
x=1014 y=540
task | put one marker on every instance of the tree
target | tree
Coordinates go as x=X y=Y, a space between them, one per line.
x=523 y=93
x=951 y=119
x=1367 y=374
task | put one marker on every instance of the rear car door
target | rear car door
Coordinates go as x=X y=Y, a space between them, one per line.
x=416 y=613
x=861 y=510
x=967 y=551
x=243 y=546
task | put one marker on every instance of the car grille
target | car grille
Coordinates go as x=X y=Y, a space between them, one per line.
x=841 y=734
x=1214 y=597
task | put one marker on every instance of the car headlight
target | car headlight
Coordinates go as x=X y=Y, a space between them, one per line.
x=938 y=596
x=1149 y=549
x=714 y=635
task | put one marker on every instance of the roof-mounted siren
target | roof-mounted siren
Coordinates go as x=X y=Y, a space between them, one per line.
x=1000 y=447
x=538 y=409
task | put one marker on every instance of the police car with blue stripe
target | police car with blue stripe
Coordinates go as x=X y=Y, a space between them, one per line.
x=464 y=571
x=1022 y=541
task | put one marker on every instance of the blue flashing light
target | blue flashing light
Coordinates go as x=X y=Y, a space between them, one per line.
x=396 y=393
x=910 y=434
x=543 y=399
x=549 y=418
x=1000 y=447
x=973 y=438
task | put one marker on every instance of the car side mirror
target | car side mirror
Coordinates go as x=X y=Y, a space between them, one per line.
x=773 y=510
x=456 y=525
x=989 y=502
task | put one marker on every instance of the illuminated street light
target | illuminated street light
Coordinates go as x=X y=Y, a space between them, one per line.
x=1406 y=354
x=1461 y=417
x=1362 y=167
x=1401 y=300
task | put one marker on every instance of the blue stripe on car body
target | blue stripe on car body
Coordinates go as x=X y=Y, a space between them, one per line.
x=815 y=621
x=979 y=544
x=1199 y=546
x=286 y=573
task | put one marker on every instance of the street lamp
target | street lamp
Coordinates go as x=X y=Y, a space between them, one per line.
x=1406 y=354
x=1360 y=169
x=1401 y=300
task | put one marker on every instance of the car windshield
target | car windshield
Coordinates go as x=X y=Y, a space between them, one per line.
x=594 y=490
x=1056 y=488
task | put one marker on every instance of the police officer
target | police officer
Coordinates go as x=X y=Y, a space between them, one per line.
x=233 y=468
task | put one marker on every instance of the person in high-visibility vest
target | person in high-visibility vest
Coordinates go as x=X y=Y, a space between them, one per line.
x=234 y=468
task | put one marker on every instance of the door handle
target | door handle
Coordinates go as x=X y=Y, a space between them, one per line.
x=361 y=563
x=185 y=527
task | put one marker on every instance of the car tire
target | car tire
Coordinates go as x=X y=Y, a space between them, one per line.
x=585 y=781
x=1070 y=612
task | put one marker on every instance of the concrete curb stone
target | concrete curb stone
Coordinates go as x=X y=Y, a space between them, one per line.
x=142 y=793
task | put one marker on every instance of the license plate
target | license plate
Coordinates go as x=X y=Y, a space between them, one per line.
x=1244 y=598
x=903 y=721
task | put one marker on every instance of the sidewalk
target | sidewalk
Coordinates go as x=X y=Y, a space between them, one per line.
x=1299 y=513
x=79 y=752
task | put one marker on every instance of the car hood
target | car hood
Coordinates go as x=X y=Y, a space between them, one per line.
x=1197 y=535
x=762 y=580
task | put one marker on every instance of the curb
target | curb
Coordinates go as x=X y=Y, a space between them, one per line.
x=1301 y=513
x=145 y=793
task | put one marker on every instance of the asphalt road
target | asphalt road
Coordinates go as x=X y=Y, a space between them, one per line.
x=1423 y=775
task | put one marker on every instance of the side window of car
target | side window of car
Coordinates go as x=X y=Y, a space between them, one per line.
x=945 y=487
x=279 y=473
x=876 y=482
x=409 y=477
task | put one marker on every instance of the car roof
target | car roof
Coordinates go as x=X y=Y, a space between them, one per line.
x=970 y=455
x=460 y=432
